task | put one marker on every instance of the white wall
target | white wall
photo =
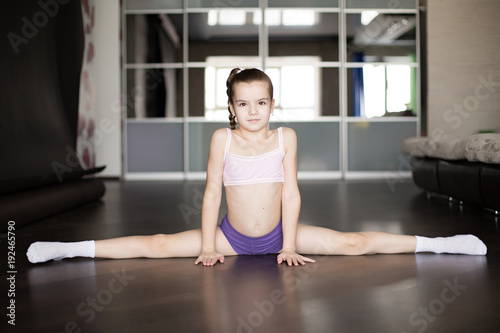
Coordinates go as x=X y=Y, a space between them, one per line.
x=463 y=66
x=107 y=76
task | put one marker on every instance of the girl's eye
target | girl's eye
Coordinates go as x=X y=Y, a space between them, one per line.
x=262 y=103
x=242 y=104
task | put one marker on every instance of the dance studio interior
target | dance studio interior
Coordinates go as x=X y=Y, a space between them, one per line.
x=107 y=112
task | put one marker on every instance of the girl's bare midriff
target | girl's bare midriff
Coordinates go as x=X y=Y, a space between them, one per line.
x=254 y=210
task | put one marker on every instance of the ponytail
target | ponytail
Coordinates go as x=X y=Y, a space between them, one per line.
x=229 y=92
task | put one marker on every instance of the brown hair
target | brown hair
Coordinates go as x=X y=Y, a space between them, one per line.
x=246 y=75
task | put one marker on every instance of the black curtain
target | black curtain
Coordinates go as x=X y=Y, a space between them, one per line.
x=41 y=52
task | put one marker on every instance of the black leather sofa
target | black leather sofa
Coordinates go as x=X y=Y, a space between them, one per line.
x=473 y=183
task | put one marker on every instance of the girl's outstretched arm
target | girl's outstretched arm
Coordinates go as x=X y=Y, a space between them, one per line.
x=290 y=200
x=212 y=200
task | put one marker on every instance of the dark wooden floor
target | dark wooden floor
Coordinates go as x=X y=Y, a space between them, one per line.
x=375 y=293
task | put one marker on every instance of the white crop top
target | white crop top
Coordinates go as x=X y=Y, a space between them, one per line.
x=246 y=170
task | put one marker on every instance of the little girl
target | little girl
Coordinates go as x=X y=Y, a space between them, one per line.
x=258 y=169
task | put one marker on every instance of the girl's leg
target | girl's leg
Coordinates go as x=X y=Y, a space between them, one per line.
x=183 y=244
x=317 y=240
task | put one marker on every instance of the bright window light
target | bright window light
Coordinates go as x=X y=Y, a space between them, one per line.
x=273 y=17
x=257 y=17
x=232 y=17
x=295 y=94
x=274 y=75
x=213 y=17
x=374 y=90
x=210 y=84
x=221 y=78
x=286 y=17
x=386 y=89
x=368 y=16
x=294 y=17
x=398 y=87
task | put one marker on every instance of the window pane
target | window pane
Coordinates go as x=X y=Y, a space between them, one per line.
x=231 y=17
x=374 y=91
x=382 y=4
x=318 y=36
x=381 y=91
x=376 y=146
x=199 y=143
x=299 y=17
x=303 y=3
x=222 y=3
x=196 y=79
x=220 y=89
x=297 y=88
x=298 y=94
x=398 y=88
x=153 y=4
x=275 y=76
x=311 y=155
x=154 y=147
x=384 y=36
x=154 y=93
x=329 y=91
x=154 y=38
x=227 y=35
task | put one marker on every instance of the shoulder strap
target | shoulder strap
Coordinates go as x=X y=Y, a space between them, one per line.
x=228 y=142
x=280 y=138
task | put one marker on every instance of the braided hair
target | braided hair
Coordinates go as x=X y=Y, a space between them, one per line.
x=246 y=75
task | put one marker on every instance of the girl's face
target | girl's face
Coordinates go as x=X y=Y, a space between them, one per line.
x=252 y=104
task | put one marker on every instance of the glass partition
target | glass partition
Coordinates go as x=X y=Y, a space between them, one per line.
x=330 y=86
x=379 y=37
x=198 y=92
x=154 y=93
x=222 y=32
x=153 y=4
x=382 y=91
x=222 y=3
x=200 y=135
x=382 y=4
x=318 y=144
x=304 y=3
x=155 y=147
x=304 y=92
x=303 y=32
x=154 y=38
x=376 y=146
x=170 y=87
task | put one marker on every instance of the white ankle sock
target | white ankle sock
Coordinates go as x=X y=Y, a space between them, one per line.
x=459 y=244
x=45 y=251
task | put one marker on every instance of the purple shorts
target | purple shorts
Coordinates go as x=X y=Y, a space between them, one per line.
x=242 y=244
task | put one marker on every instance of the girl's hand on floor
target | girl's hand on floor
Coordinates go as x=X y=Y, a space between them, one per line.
x=293 y=258
x=209 y=258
